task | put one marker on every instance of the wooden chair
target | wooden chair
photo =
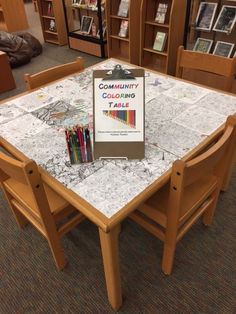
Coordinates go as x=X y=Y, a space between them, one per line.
x=206 y=64
x=191 y=193
x=53 y=74
x=32 y=200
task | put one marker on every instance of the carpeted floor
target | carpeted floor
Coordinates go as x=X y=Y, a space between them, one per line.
x=203 y=280
x=52 y=55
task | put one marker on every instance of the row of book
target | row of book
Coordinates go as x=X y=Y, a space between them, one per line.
x=206 y=14
x=221 y=48
x=79 y=144
x=162 y=8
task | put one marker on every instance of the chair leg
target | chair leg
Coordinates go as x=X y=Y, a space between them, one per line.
x=20 y=218
x=57 y=252
x=209 y=213
x=168 y=258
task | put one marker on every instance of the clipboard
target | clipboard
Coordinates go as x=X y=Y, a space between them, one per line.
x=119 y=113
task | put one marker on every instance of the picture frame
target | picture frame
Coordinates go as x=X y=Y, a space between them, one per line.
x=160 y=41
x=226 y=19
x=86 y=24
x=205 y=16
x=223 y=48
x=123 y=10
x=203 y=45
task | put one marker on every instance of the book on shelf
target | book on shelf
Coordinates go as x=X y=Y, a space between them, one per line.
x=203 y=45
x=226 y=20
x=49 y=9
x=223 y=49
x=103 y=30
x=205 y=16
x=123 y=29
x=161 y=13
x=123 y=8
x=160 y=40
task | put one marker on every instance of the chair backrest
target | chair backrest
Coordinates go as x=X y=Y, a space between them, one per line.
x=214 y=161
x=53 y=74
x=208 y=63
x=26 y=177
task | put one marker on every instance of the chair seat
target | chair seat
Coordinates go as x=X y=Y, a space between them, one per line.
x=19 y=191
x=156 y=207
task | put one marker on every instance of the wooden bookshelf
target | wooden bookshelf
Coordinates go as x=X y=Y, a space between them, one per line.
x=95 y=41
x=163 y=61
x=6 y=81
x=12 y=16
x=215 y=36
x=51 y=13
x=124 y=48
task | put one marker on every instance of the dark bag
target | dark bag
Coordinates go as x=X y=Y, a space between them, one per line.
x=33 y=42
x=17 y=49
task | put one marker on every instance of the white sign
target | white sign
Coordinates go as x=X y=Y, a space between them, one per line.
x=119 y=110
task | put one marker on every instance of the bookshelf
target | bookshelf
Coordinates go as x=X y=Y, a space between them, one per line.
x=124 y=48
x=195 y=32
x=52 y=21
x=12 y=16
x=86 y=26
x=163 y=60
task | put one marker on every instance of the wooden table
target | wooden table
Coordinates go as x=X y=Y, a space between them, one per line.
x=181 y=119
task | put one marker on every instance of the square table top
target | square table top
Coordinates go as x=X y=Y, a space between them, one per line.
x=178 y=117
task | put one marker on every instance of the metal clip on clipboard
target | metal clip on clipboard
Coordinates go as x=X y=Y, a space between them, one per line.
x=118 y=74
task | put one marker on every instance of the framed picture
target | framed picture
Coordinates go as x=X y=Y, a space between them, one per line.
x=203 y=45
x=223 y=49
x=205 y=15
x=86 y=24
x=160 y=40
x=226 y=19
x=123 y=8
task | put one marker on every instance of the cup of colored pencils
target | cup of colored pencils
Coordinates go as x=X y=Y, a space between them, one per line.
x=79 y=146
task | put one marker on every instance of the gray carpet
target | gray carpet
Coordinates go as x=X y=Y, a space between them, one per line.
x=52 y=55
x=203 y=280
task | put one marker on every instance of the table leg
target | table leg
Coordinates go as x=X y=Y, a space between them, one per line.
x=110 y=255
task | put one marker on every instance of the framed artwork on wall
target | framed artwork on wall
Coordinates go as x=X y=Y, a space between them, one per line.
x=205 y=16
x=223 y=49
x=203 y=45
x=226 y=19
